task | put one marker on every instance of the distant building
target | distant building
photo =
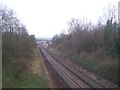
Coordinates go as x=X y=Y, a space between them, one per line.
x=44 y=43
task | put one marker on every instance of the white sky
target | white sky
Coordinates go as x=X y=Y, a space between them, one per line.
x=45 y=18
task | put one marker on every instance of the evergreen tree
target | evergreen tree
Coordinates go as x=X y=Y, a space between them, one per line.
x=109 y=37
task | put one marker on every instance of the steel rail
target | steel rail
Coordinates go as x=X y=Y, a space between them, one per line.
x=73 y=77
x=85 y=76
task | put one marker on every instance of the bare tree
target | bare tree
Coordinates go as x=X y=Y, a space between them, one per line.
x=110 y=13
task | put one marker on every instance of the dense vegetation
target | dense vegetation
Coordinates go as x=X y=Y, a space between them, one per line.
x=15 y=39
x=18 y=51
x=89 y=38
x=94 y=47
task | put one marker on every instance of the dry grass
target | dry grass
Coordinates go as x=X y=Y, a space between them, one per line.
x=36 y=65
x=83 y=55
x=98 y=54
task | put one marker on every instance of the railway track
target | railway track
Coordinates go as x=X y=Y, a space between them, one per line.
x=72 y=76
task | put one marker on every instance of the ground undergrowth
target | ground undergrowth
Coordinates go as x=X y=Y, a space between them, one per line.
x=96 y=62
x=32 y=76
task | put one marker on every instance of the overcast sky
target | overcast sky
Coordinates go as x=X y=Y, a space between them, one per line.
x=45 y=18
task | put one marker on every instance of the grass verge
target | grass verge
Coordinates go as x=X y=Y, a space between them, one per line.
x=31 y=77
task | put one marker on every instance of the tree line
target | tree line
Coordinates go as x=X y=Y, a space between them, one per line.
x=17 y=47
x=88 y=38
x=15 y=39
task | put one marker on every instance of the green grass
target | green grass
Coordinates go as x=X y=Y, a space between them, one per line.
x=31 y=77
x=8 y=79
x=32 y=81
x=97 y=67
x=28 y=80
